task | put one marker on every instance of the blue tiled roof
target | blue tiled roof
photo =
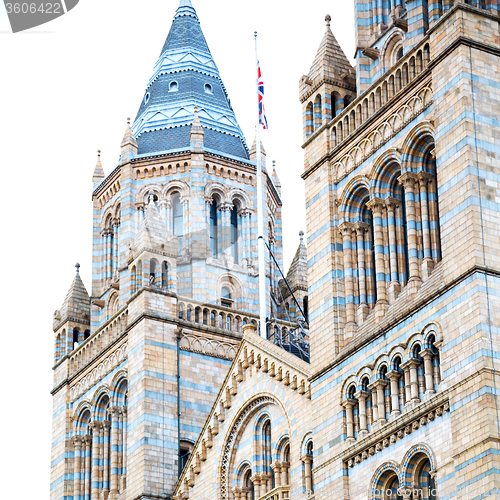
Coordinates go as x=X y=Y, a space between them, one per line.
x=186 y=76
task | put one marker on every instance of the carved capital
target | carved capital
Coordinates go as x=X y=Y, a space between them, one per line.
x=376 y=205
x=408 y=180
x=346 y=229
x=362 y=395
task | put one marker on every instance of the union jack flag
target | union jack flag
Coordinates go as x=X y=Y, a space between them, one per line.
x=262 y=111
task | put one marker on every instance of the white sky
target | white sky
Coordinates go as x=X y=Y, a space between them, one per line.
x=67 y=88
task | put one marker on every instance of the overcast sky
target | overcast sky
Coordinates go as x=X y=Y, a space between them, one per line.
x=67 y=88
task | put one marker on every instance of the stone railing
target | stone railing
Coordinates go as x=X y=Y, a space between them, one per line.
x=92 y=346
x=211 y=315
x=379 y=94
x=279 y=493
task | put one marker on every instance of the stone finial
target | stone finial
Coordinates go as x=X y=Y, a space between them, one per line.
x=151 y=198
x=301 y=236
x=77 y=265
x=328 y=19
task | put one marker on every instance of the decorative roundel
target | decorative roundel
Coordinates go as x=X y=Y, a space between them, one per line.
x=146 y=98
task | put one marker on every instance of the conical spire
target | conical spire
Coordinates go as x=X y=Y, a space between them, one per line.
x=98 y=175
x=186 y=76
x=330 y=60
x=152 y=232
x=129 y=145
x=76 y=305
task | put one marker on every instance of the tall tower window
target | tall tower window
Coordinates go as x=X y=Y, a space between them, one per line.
x=178 y=219
x=234 y=234
x=213 y=229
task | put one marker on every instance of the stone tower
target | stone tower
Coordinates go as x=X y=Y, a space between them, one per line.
x=403 y=255
x=139 y=363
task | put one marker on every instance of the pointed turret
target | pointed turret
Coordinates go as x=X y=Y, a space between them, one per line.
x=76 y=305
x=330 y=85
x=297 y=273
x=98 y=175
x=197 y=134
x=330 y=61
x=186 y=76
x=253 y=152
x=275 y=178
x=152 y=232
x=129 y=145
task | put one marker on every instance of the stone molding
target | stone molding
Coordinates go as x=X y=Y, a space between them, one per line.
x=99 y=372
x=210 y=347
x=394 y=431
x=383 y=133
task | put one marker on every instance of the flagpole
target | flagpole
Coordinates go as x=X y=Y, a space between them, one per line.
x=260 y=213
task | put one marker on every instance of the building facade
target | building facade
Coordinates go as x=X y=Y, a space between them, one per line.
x=163 y=387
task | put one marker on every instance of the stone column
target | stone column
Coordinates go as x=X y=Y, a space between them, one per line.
x=307 y=461
x=116 y=225
x=373 y=390
x=346 y=230
x=88 y=465
x=380 y=385
x=256 y=484
x=361 y=231
x=394 y=285
x=123 y=479
x=348 y=405
x=413 y=366
x=77 y=473
x=362 y=396
x=376 y=206
x=96 y=445
x=285 y=473
x=429 y=375
x=106 y=464
x=393 y=376
x=276 y=466
x=113 y=494
x=238 y=493
x=427 y=264
x=409 y=180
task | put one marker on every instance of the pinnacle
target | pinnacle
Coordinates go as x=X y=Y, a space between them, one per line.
x=330 y=59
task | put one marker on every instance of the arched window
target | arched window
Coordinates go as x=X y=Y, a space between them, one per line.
x=226 y=299
x=164 y=275
x=266 y=451
x=234 y=234
x=185 y=449
x=213 y=229
x=178 y=219
x=309 y=465
x=248 y=487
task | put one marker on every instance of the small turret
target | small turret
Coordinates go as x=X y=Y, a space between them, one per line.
x=253 y=152
x=196 y=137
x=98 y=175
x=72 y=322
x=275 y=178
x=129 y=145
x=329 y=86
